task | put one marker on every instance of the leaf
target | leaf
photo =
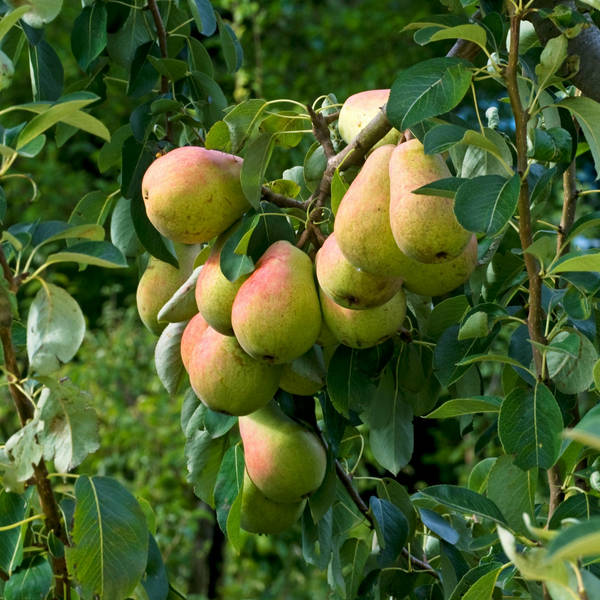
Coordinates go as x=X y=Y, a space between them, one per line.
x=256 y=160
x=94 y=207
x=483 y=588
x=571 y=358
x=438 y=525
x=101 y=254
x=486 y=204
x=53 y=231
x=427 y=89
x=471 y=577
x=13 y=508
x=183 y=301
x=587 y=113
x=577 y=262
x=10 y=19
x=228 y=483
x=32 y=580
x=204 y=16
x=70 y=425
x=88 y=36
x=242 y=121
x=391 y=527
x=353 y=556
x=471 y=32
x=24 y=450
x=155 y=580
x=109 y=547
x=529 y=426
x=493 y=143
x=586 y=432
x=576 y=541
x=232 y=50
x=466 y=406
x=167 y=357
x=442 y=137
x=552 y=57
x=234 y=265
x=445 y=314
x=46 y=70
x=464 y=500
x=55 y=329
x=338 y=189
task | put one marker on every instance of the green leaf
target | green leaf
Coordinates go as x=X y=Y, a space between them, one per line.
x=479 y=475
x=232 y=50
x=155 y=580
x=576 y=541
x=234 y=520
x=587 y=432
x=88 y=36
x=571 y=365
x=70 y=424
x=207 y=93
x=101 y=254
x=94 y=207
x=529 y=426
x=445 y=314
x=578 y=261
x=464 y=500
x=53 y=231
x=167 y=357
x=13 y=508
x=471 y=577
x=353 y=556
x=32 y=580
x=109 y=539
x=171 y=68
x=475 y=326
x=587 y=113
x=256 y=160
x=10 y=19
x=55 y=329
x=242 y=121
x=486 y=204
x=466 y=406
x=593 y=3
x=46 y=70
x=24 y=450
x=471 y=32
x=493 y=143
x=338 y=189
x=204 y=16
x=229 y=483
x=483 y=588
x=391 y=527
x=438 y=525
x=233 y=264
x=199 y=58
x=442 y=137
x=427 y=89
x=552 y=57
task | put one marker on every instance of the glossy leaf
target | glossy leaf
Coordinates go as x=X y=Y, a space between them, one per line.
x=13 y=508
x=32 y=580
x=101 y=254
x=391 y=527
x=466 y=406
x=255 y=164
x=167 y=357
x=483 y=588
x=88 y=37
x=577 y=541
x=47 y=73
x=204 y=16
x=438 y=525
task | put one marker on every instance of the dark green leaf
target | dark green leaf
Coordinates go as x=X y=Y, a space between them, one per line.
x=439 y=525
x=242 y=121
x=442 y=137
x=13 y=508
x=94 y=207
x=31 y=581
x=102 y=254
x=234 y=265
x=391 y=527
x=142 y=75
x=88 y=36
x=209 y=95
x=228 y=483
x=155 y=579
x=171 y=68
x=46 y=72
x=256 y=160
x=198 y=57
x=466 y=406
x=204 y=16
x=232 y=50
x=167 y=357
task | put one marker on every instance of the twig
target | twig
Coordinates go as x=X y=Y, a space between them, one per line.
x=162 y=39
x=281 y=200
x=332 y=117
x=320 y=129
x=464 y=49
x=570 y=195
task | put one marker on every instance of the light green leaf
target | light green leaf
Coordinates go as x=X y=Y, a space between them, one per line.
x=552 y=57
x=167 y=357
x=204 y=455
x=586 y=432
x=471 y=32
x=493 y=144
x=24 y=450
x=55 y=329
x=466 y=406
x=13 y=508
x=101 y=254
x=86 y=122
x=576 y=541
x=483 y=588
x=578 y=261
x=10 y=19
x=475 y=326
x=255 y=164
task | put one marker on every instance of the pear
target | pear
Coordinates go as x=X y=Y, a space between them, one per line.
x=226 y=379
x=285 y=461
x=358 y=110
x=40 y=12
x=347 y=285
x=276 y=315
x=191 y=337
x=215 y=293
x=304 y=376
x=364 y=328
x=193 y=194
x=424 y=227
x=362 y=223
x=261 y=515
x=7 y=70
x=159 y=282
x=437 y=279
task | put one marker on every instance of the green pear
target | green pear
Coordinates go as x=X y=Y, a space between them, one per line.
x=362 y=223
x=159 y=282
x=304 y=376
x=261 y=515
x=358 y=110
x=191 y=337
x=285 y=461
x=364 y=328
x=276 y=315
x=436 y=279
x=193 y=194
x=347 y=285
x=227 y=379
x=7 y=70
x=215 y=293
x=41 y=13
x=424 y=227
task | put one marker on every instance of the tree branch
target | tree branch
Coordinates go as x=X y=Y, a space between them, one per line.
x=568 y=210
x=281 y=200
x=320 y=129
x=162 y=40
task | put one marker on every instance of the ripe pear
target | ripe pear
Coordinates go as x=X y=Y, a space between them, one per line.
x=261 y=515
x=304 y=376
x=193 y=194
x=226 y=379
x=358 y=110
x=362 y=223
x=364 y=328
x=436 y=279
x=276 y=315
x=347 y=285
x=424 y=227
x=285 y=461
x=159 y=282
x=191 y=337
x=215 y=293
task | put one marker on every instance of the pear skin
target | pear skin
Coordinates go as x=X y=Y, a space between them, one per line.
x=348 y=286
x=191 y=337
x=226 y=379
x=304 y=376
x=424 y=227
x=364 y=328
x=362 y=223
x=159 y=282
x=358 y=110
x=276 y=315
x=285 y=461
x=438 y=279
x=261 y=515
x=215 y=293
x=193 y=194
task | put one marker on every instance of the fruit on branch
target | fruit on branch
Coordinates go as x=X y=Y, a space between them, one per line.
x=42 y=11
x=261 y=515
x=191 y=336
x=347 y=285
x=193 y=194
x=362 y=223
x=159 y=282
x=358 y=110
x=424 y=227
x=215 y=293
x=7 y=70
x=364 y=328
x=436 y=279
x=227 y=379
x=276 y=315
x=304 y=376
x=285 y=460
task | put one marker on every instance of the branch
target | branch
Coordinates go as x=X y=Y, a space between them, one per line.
x=570 y=194
x=162 y=40
x=320 y=129
x=281 y=200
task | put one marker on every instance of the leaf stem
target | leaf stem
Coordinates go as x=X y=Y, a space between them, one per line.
x=19 y=523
